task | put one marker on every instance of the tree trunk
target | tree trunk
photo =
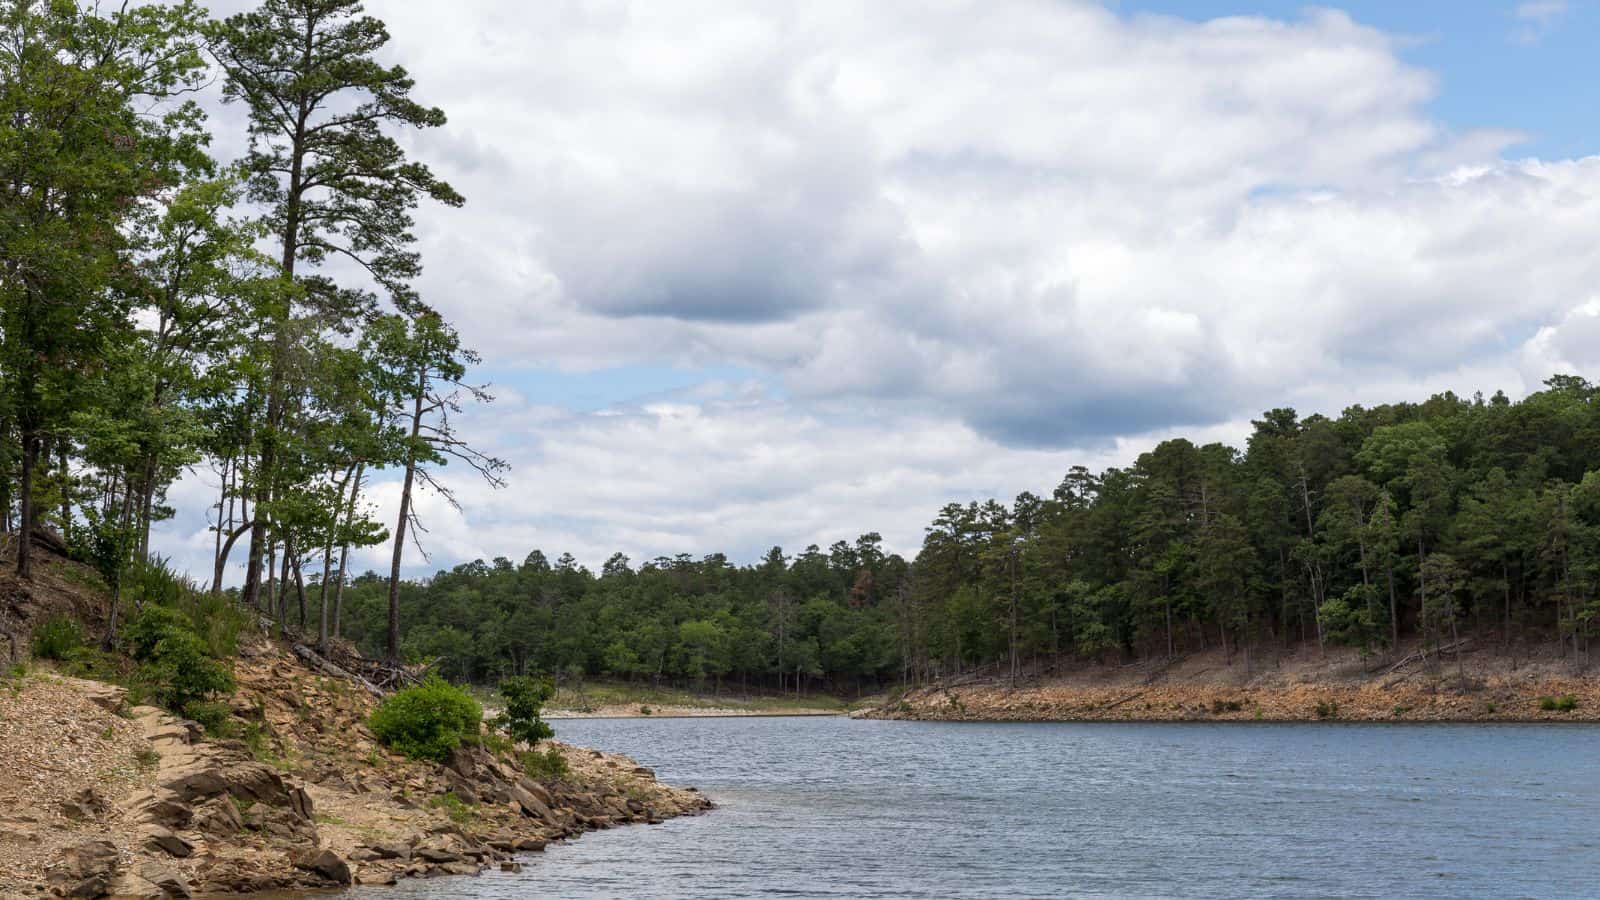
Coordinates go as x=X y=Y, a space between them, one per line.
x=344 y=554
x=392 y=642
x=222 y=556
x=30 y=459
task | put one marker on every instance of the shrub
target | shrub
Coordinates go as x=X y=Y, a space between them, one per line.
x=175 y=666
x=1226 y=706
x=544 y=765
x=427 y=721
x=525 y=698
x=149 y=628
x=1327 y=709
x=1563 y=703
x=181 y=673
x=216 y=718
x=59 y=638
x=213 y=617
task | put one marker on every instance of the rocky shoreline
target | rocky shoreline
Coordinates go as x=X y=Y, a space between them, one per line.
x=1334 y=687
x=107 y=799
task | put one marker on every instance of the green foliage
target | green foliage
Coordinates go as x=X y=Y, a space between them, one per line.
x=215 y=618
x=1220 y=706
x=1563 y=703
x=175 y=664
x=525 y=698
x=427 y=721
x=1327 y=709
x=59 y=638
x=460 y=811
x=213 y=716
x=544 y=765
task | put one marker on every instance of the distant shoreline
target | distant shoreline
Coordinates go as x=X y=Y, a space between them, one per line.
x=634 y=712
x=1299 y=685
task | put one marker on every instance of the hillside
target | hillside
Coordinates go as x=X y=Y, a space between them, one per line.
x=1486 y=683
x=104 y=796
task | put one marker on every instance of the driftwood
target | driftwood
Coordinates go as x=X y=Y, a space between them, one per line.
x=1133 y=696
x=1422 y=655
x=315 y=660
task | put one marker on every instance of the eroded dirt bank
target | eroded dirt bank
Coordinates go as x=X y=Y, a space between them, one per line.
x=1486 y=684
x=102 y=798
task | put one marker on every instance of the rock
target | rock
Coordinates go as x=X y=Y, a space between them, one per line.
x=253 y=781
x=536 y=789
x=325 y=863
x=384 y=877
x=165 y=881
x=162 y=811
x=530 y=844
x=510 y=867
x=105 y=696
x=532 y=806
x=437 y=855
x=85 y=870
x=85 y=804
x=391 y=851
x=159 y=839
x=643 y=772
x=219 y=816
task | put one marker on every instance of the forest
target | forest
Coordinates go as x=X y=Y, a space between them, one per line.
x=252 y=320
x=1408 y=520
x=255 y=323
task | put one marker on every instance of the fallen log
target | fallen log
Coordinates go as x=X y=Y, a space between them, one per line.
x=1422 y=655
x=315 y=660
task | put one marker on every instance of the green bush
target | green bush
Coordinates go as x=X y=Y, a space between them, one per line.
x=1327 y=709
x=427 y=721
x=544 y=765
x=59 y=638
x=1563 y=703
x=215 y=717
x=175 y=663
x=217 y=620
x=525 y=699
x=154 y=624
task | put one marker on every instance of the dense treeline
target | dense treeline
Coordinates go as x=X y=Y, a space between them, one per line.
x=1406 y=520
x=163 y=311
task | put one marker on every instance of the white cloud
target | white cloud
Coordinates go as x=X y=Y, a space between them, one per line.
x=968 y=244
x=1536 y=19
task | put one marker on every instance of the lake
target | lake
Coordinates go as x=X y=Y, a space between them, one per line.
x=835 y=807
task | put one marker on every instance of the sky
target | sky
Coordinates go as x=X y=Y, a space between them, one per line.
x=782 y=273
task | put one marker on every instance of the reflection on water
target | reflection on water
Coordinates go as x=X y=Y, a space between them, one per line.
x=835 y=807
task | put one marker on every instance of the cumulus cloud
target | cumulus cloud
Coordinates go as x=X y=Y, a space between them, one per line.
x=962 y=244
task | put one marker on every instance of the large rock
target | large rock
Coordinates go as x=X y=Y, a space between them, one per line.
x=325 y=863
x=246 y=780
x=158 y=839
x=152 y=881
x=532 y=806
x=219 y=816
x=85 y=804
x=85 y=870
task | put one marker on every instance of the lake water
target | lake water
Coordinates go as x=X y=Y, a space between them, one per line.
x=840 y=808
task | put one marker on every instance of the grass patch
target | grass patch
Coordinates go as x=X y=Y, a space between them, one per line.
x=59 y=638
x=459 y=811
x=1563 y=703
x=546 y=765
x=146 y=759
